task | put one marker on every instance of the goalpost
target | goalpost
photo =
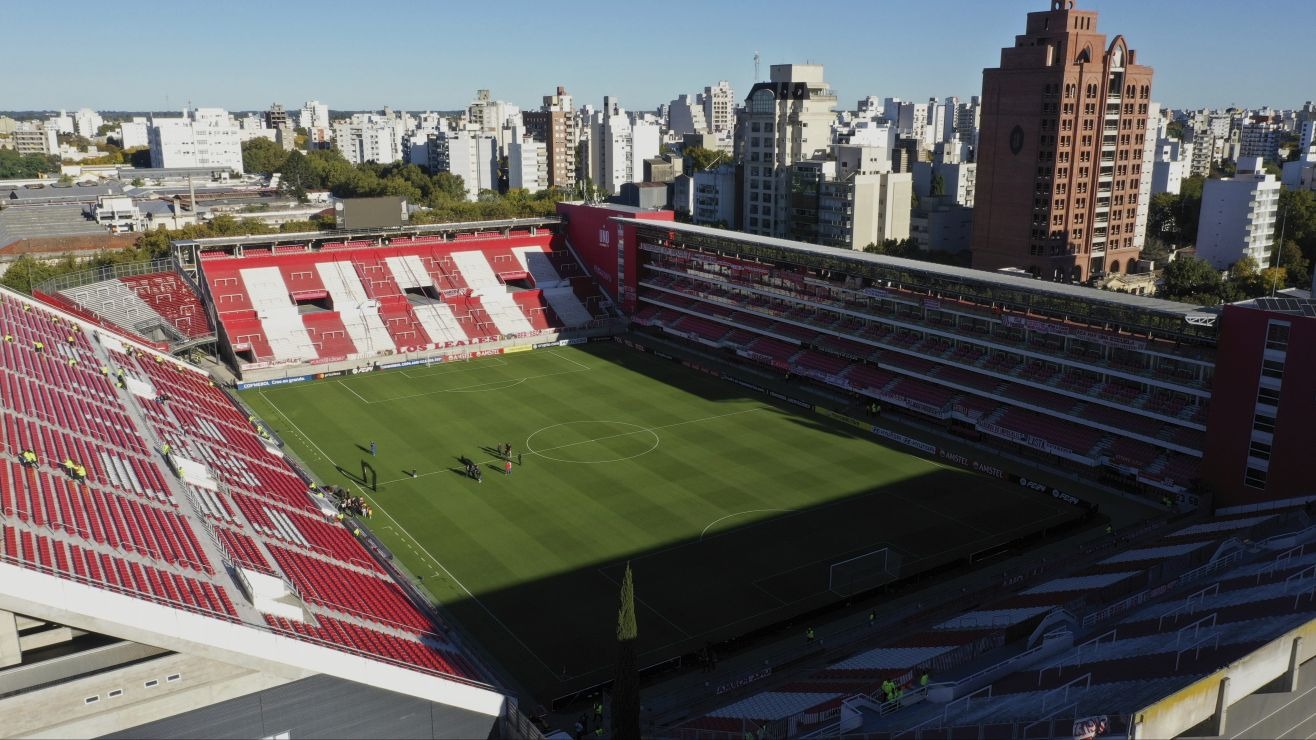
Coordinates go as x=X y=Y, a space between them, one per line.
x=855 y=575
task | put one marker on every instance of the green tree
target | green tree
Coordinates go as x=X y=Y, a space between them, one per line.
x=1243 y=277
x=626 y=683
x=1192 y=279
x=296 y=176
x=938 y=184
x=263 y=156
x=449 y=187
x=701 y=158
x=1297 y=219
x=1297 y=267
x=21 y=166
x=1175 y=130
x=25 y=273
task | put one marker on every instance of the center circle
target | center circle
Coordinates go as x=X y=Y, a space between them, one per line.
x=592 y=441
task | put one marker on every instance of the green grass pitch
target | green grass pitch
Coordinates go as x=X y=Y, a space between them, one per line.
x=730 y=506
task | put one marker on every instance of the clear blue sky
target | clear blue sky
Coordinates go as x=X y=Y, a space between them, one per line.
x=240 y=54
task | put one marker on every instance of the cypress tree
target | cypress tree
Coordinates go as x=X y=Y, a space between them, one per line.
x=626 y=684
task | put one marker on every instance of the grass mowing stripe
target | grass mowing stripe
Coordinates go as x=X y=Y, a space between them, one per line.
x=730 y=520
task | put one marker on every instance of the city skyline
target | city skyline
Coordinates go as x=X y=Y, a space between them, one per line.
x=246 y=63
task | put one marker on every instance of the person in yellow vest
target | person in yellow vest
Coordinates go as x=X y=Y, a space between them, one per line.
x=71 y=339
x=39 y=346
x=73 y=361
x=81 y=473
x=9 y=338
x=68 y=466
x=105 y=371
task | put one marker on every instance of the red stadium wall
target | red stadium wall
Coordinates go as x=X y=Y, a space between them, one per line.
x=596 y=238
x=1242 y=349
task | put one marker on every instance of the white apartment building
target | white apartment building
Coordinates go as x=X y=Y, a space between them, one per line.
x=785 y=120
x=133 y=133
x=62 y=123
x=957 y=179
x=851 y=201
x=713 y=196
x=468 y=153
x=369 y=137
x=1238 y=216
x=35 y=138
x=1145 y=171
x=86 y=122
x=1171 y=166
x=719 y=102
x=491 y=117
x=619 y=145
x=527 y=164
x=202 y=137
x=1301 y=173
x=686 y=116
x=1260 y=140
x=313 y=114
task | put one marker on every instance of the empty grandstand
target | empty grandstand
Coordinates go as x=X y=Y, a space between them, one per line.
x=335 y=302
x=1116 y=386
x=161 y=556
x=150 y=300
x=214 y=554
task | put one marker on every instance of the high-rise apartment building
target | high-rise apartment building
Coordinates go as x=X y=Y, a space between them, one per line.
x=276 y=117
x=1061 y=149
x=719 y=106
x=850 y=201
x=1239 y=216
x=313 y=114
x=369 y=137
x=619 y=145
x=785 y=120
x=527 y=164
x=554 y=124
x=468 y=153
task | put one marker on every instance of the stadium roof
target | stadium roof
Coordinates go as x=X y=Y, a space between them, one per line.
x=56 y=193
x=1291 y=304
x=303 y=236
x=1065 y=290
x=46 y=221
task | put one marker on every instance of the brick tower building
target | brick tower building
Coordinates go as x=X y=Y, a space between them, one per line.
x=1061 y=149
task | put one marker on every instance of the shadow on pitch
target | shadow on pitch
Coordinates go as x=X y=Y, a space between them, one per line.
x=368 y=476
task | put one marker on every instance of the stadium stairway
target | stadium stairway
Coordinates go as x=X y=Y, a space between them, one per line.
x=497 y=304
x=557 y=291
x=278 y=315
x=360 y=318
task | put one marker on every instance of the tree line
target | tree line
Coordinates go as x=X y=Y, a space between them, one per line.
x=442 y=196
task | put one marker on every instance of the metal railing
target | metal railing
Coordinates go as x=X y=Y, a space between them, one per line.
x=108 y=272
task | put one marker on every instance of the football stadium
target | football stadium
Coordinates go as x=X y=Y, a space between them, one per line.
x=386 y=482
